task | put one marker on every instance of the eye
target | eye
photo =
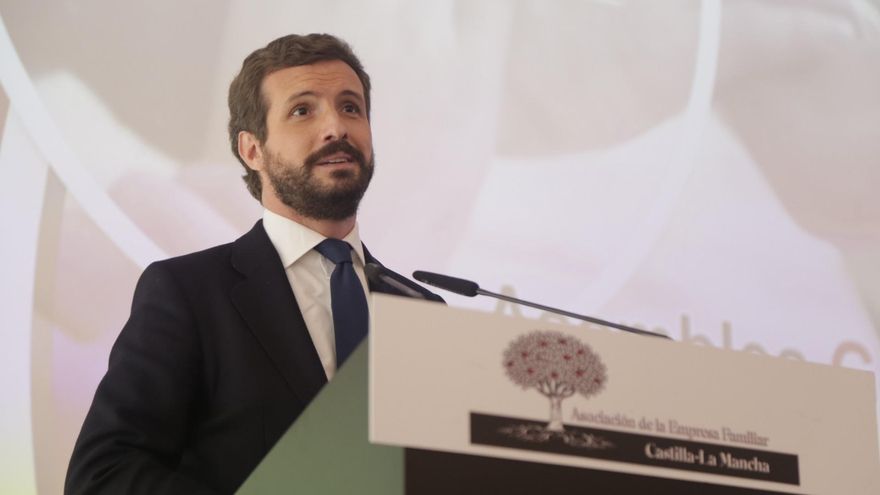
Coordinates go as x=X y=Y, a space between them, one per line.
x=299 y=111
x=351 y=108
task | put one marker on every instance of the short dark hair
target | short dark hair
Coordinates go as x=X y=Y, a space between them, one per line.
x=248 y=106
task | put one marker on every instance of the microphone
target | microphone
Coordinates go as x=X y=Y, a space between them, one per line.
x=471 y=289
x=379 y=274
x=452 y=284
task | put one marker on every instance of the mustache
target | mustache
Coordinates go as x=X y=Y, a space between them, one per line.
x=339 y=146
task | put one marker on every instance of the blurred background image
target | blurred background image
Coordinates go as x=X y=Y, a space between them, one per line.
x=706 y=169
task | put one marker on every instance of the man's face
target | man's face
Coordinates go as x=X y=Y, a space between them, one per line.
x=318 y=155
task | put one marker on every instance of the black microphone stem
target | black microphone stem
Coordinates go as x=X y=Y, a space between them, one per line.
x=576 y=316
x=471 y=289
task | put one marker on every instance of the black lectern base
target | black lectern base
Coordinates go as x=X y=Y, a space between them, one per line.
x=439 y=473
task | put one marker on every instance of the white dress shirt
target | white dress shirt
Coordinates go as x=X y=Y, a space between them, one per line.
x=309 y=275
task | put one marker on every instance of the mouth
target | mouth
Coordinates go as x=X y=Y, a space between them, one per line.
x=337 y=155
x=335 y=159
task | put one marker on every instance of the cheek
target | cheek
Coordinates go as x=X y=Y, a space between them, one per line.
x=292 y=147
x=365 y=139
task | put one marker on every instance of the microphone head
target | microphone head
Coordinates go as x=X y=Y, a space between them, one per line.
x=445 y=282
x=372 y=270
x=378 y=274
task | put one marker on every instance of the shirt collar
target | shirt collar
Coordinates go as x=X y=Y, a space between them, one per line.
x=293 y=240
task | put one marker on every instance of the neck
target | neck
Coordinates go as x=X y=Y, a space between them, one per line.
x=334 y=229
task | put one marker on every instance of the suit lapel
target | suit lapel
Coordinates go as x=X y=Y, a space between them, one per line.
x=266 y=302
x=373 y=286
x=378 y=285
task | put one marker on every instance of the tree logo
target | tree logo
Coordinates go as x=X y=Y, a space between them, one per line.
x=557 y=366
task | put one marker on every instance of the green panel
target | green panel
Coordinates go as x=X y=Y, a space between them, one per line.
x=326 y=450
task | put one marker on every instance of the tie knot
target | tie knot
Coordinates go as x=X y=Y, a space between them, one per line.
x=335 y=250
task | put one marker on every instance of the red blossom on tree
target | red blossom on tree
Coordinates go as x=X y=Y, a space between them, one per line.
x=557 y=366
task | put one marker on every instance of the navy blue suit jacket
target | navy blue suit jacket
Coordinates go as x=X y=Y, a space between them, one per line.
x=212 y=367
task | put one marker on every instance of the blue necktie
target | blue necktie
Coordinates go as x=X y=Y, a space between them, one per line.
x=347 y=299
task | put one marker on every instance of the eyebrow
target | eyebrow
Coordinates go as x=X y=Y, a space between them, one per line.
x=300 y=95
x=354 y=94
x=345 y=92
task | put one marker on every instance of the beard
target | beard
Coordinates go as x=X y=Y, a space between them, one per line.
x=298 y=188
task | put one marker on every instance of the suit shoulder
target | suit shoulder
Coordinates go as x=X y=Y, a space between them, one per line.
x=199 y=269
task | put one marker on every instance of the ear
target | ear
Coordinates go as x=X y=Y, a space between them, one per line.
x=250 y=151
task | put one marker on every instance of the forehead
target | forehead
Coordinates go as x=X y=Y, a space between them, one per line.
x=328 y=78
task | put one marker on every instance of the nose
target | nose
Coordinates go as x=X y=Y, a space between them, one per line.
x=334 y=127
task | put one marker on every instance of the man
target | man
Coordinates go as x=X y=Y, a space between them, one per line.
x=225 y=348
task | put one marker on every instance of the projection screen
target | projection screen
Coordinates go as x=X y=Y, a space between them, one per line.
x=704 y=169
